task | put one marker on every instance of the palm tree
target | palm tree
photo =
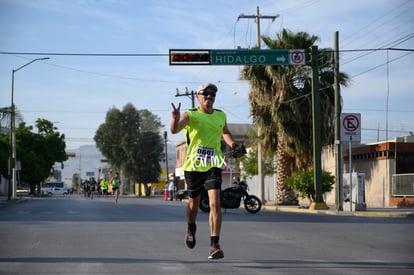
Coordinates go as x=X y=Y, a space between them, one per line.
x=5 y=114
x=281 y=105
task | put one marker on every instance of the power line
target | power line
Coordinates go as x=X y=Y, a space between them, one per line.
x=410 y=36
x=380 y=65
x=369 y=50
x=373 y=26
x=88 y=54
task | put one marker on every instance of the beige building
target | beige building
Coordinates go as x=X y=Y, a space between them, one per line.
x=387 y=169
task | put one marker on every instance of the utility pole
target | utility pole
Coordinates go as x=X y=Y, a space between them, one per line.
x=258 y=17
x=187 y=93
x=339 y=197
x=260 y=169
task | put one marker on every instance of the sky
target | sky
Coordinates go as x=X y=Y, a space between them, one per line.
x=76 y=87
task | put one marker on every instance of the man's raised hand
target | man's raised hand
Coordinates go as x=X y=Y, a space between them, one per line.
x=176 y=111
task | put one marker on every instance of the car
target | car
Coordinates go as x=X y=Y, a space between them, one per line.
x=59 y=191
x=22 y=192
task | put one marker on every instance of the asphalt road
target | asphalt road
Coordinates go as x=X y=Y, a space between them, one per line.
x=75 y=235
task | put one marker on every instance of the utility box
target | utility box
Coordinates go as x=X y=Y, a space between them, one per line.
x=354 y=200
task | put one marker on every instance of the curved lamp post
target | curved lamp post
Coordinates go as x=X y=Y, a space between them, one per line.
x=13 y=127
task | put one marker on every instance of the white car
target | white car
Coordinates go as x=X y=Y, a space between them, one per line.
x=55 y=191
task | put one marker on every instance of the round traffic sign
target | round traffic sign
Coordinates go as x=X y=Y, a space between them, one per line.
x=350 y=123
x=297 y=57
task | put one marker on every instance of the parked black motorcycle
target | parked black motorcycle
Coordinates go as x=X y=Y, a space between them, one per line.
x=231 y=198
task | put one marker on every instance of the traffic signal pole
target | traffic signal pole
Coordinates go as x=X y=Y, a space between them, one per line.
x=316 y=135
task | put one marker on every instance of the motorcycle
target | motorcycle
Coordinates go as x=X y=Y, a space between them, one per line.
x=231 y=198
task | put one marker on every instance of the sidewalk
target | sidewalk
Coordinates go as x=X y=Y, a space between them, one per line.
x=370 y=212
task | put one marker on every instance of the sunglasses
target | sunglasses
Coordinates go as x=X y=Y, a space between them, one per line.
x=206 y=93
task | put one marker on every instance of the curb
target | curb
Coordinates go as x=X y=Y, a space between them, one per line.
x=377 y=214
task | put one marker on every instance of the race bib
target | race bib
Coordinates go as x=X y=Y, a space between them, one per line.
x=205 y=154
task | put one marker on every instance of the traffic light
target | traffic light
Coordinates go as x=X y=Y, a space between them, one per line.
x=190 y=57
x=110 y=170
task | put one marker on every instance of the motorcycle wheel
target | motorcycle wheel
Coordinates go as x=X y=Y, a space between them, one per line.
x=252 y=204
x=204 y=204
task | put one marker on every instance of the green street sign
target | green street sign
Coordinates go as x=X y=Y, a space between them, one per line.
x=258 y=57
x=237 y=57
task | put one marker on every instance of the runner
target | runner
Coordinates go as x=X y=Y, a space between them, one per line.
x=115 y=186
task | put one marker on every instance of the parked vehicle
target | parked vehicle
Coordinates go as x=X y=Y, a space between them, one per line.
x=232 y=197
x=55 y=191
x=22 y=192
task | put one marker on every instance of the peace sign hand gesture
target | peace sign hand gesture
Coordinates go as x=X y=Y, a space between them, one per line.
x=176 y=111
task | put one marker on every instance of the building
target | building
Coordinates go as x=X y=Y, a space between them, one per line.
x=387 y=168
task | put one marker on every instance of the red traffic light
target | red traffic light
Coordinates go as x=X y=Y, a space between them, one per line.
x=189 y=57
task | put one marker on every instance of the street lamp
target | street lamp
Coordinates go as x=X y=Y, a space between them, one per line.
x=13 y=127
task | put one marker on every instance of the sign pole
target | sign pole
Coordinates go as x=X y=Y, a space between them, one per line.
x=350 y=172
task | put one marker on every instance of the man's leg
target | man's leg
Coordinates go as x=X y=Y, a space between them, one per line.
x=192 y=210
x=215 y=220
x=215 y=217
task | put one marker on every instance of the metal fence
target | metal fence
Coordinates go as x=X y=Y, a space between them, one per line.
x=402 y=185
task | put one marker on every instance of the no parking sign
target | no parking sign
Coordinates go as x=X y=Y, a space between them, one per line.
x=351 y=127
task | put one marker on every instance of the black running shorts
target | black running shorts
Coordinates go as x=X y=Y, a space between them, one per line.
x=197 y=181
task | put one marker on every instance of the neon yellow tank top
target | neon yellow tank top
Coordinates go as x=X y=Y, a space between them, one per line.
x=203 y=133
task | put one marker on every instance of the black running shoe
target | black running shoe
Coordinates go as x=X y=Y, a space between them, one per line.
x=216 y=252
x=190 y=240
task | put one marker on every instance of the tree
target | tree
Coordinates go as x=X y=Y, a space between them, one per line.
x=281 y=105
x=250 y=164
x=5 y=142
x=303 y=183
x=4 y=153
x=130 y=139
x=76 y=182
x=39 y=151
x=5 y=117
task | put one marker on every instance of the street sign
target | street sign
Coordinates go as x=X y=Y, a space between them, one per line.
x=258 y=57
x=237 y=57
x=351 y=127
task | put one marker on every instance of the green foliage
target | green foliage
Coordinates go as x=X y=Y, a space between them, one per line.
x=250 y=163
x=4 y=153
x=130 y=139
x=302 y=182
x=37 y=152
x=75 y=181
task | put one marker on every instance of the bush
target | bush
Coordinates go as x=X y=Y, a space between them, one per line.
x=302 y=182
